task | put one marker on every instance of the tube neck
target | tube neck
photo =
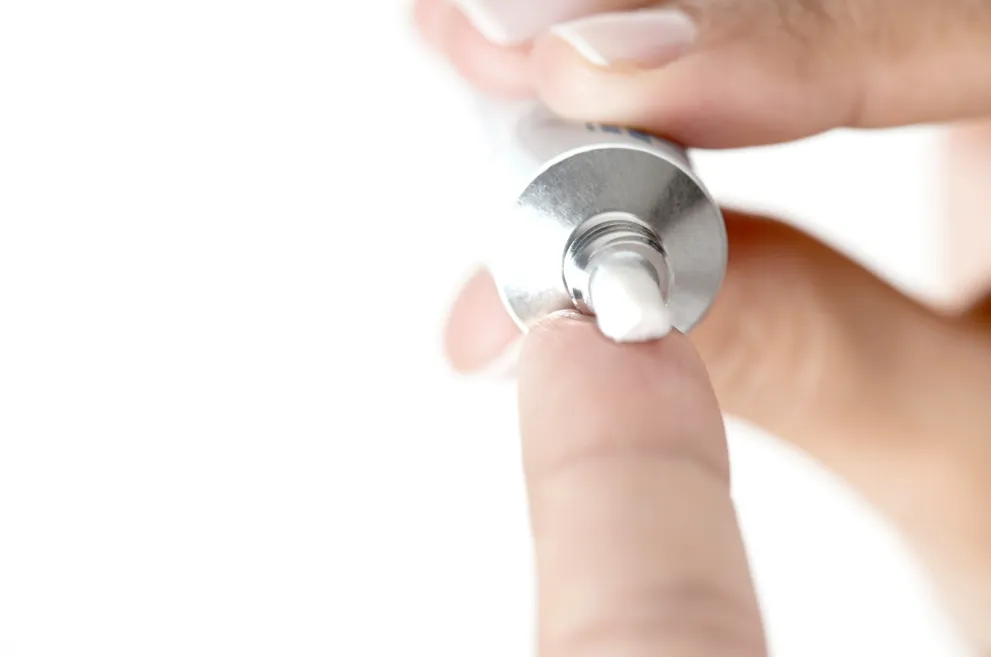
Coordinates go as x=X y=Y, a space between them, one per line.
x=611 y=237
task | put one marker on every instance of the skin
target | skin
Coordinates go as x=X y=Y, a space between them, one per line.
x=638 y=552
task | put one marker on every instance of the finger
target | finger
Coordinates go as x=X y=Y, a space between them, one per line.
x=967 y=257
x=479 y=331
x=889 y=395
x=637 y=546
x=497 y=70
x=725 y=74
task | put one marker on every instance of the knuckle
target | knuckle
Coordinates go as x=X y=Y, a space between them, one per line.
x=606 y=452
x=690 y=618
x=798 y=18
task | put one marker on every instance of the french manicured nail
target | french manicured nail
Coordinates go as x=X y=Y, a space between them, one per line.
x=648 y=38
x=511 y=22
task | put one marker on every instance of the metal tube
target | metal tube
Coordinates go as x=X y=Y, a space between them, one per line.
x=585 y=194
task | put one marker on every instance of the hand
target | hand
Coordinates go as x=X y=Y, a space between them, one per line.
x=802 y=341
x=637 y=546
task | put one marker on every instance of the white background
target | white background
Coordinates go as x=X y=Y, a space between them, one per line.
x=229 y=232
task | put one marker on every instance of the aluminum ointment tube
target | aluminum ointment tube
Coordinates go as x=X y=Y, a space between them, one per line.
x=606 y=220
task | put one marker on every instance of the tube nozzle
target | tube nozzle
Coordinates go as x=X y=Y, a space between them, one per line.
x=627 y=301
x=615 y=268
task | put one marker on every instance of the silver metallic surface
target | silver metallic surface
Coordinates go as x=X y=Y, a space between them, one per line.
x=590 y=192
x=607 y=236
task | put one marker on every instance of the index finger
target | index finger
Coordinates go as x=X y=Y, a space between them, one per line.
x=637 y=545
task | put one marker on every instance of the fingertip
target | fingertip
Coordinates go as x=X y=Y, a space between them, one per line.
x=478 y=331
x=501 y=71
x=572 y=344
x=571 y=85
x=430 y=18
x=663 y=102
x=573 y=381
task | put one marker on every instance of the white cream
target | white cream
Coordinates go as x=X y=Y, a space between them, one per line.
x=628 y=303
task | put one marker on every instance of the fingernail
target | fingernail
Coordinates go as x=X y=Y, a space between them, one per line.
x=505 y=365
x=511 y=22
x=648 y=38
